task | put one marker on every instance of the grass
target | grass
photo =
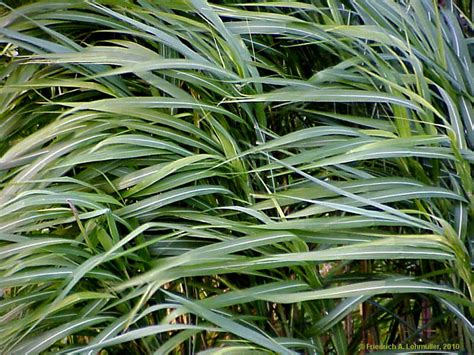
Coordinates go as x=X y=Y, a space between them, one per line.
x=266 y=177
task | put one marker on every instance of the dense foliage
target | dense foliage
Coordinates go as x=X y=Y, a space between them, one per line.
x=283 y=177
